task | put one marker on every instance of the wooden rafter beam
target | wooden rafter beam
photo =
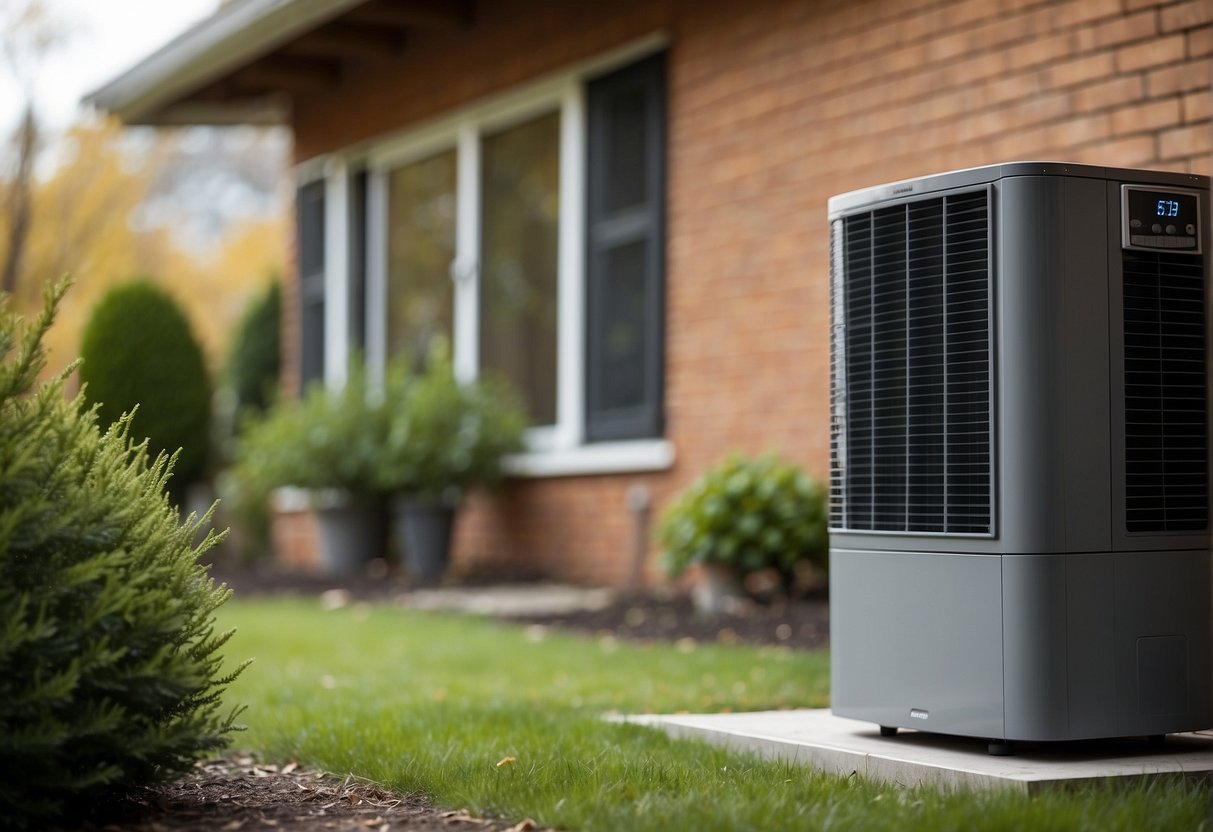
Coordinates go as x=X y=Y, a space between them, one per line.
x=288 y=74
x=406 y=14
x=349 y=41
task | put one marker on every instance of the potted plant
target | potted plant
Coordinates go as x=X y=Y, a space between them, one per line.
x=443 y=438
x=743 y=516
x=327 y=443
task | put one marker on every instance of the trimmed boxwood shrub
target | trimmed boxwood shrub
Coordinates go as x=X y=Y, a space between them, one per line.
x=109 y=658
x=138 y=352
x=255 y=357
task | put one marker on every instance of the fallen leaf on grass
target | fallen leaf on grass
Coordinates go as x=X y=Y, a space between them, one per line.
x=289 y=767
x=506 y=761
x=233 y=826
x=524 y=825
x=461 y=816
x=369 y=822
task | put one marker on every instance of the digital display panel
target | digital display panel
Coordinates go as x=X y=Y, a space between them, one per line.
x=1157 y=218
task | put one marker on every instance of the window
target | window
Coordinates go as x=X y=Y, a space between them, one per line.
x=421 y=247
x=309 y=212
x=529 y=232
x=520 y=199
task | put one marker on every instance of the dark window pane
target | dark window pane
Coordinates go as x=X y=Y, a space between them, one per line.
x=623 y=325
x=626 y=241
x=520 y=204
x=625 y=145
x=310 y=233
x=421 y=245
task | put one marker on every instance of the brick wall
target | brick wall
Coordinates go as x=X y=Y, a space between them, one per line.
x=775 y=105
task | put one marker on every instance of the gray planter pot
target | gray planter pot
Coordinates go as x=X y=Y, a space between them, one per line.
x=351 y=531
x=423 y=531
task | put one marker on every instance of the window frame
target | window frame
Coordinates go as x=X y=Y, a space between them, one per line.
x=557 y=450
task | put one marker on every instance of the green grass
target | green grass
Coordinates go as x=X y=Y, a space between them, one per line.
x=432 y=703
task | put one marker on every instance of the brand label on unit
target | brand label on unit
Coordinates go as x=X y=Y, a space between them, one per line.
x=919 y=713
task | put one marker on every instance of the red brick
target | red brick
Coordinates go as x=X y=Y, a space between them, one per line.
x=1115 y=92
x=1200 y=42
x=1152 y=53
x=1084 y=11
x=1187 y=15
x=1120 y=30
x=1146 y=117
x=1186 y=141
x=1138 y=151
x=1180 y=78
x=1077 y=70
x=1198 y=106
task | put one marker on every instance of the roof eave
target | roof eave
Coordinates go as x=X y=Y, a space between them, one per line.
x=151 y=92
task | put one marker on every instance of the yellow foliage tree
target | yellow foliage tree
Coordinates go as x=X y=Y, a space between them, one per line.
x=81 y=225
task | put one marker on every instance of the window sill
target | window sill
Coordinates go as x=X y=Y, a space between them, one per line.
x=600 y=458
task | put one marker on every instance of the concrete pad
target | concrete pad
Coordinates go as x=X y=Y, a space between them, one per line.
x=843 y=746
x=509 y=601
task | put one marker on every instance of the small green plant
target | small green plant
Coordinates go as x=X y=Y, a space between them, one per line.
x=138 y=352
x=749 y=514
x=445 y=437
x=324 y=440
x=254 y=358
x=109 y=658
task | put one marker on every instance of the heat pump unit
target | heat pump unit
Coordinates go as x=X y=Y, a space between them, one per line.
x=1019 y=493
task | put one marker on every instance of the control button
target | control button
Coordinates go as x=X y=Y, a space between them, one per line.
x=1170 y=242
x=1170 y=229
x=1156 y=228
x=1136 y=224
x=1186 y=242
x=1137 y=240
x=1191 y=229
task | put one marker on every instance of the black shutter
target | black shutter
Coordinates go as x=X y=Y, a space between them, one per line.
x=357 y=288
x=310 y=242
x=625 y=297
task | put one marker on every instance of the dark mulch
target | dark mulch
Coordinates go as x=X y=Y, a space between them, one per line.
x=802 y=624
x=240 y=794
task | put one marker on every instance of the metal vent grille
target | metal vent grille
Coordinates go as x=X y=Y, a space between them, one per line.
x=1166 y=481
x=910 y=368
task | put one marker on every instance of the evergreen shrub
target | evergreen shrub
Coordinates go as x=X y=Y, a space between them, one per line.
x=140 y=356
x=110 y=673
x=254 y=359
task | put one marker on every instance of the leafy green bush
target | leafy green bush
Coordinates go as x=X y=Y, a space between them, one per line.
x=109 y=660
x=445 y=437
x=254 y=358
x=138 y=352
x=421 y=435
x=748 y=514
x=321 y=441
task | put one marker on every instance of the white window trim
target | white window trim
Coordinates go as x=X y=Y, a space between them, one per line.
x=631 y=456
x=336 y=273
x=556 y=450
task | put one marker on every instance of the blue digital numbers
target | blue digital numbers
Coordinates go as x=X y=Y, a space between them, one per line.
x=1167 y=208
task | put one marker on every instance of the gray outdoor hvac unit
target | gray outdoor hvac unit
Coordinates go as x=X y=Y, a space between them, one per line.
x=1019 y=491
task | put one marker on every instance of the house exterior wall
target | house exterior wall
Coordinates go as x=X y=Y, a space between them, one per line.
x=775 y=105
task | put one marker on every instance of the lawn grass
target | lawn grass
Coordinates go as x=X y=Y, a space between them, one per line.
x=507 y=721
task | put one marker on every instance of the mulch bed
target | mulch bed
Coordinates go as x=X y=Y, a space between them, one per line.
x=239 y=793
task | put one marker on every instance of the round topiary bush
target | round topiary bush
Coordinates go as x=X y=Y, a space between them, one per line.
x=138 y=352
x=255 y=356
x=109 y=659
x=747 y=514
